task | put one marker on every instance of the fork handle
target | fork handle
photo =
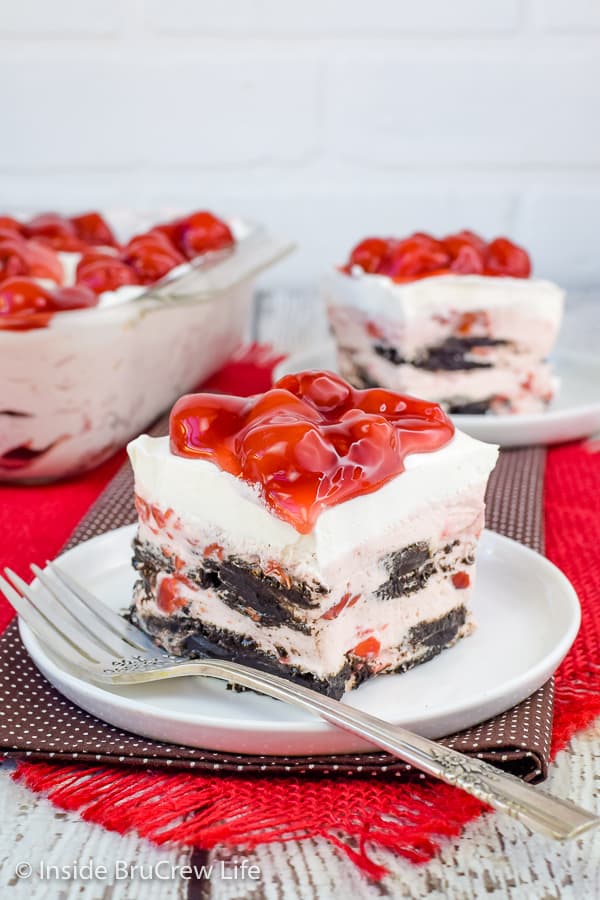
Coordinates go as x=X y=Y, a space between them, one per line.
x=555 y=818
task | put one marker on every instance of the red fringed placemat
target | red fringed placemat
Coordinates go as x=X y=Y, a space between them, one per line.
x=572 y=519
x=358 y=814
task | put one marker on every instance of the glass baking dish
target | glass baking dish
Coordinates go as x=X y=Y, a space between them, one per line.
x=74 y=392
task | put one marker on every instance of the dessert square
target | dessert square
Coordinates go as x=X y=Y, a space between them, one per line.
x=319 y=532
x=457 y=320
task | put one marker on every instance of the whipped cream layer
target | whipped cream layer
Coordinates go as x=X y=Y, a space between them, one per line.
x=226 y=510
x=323 y=650
x=77 y=390
x=423 y=313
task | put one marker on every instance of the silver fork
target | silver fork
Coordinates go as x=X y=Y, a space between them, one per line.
x=104 y=647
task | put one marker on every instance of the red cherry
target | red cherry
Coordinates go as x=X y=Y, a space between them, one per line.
x=278 y=450
x=76 y=297
x=151 y=256
x=21 y=257
x=22 y=294
x=14 y=259
x=56 y=231
x=467 y=251
x=93 y=230
x=9 y=234
x=43 y=262
x=101 y=272
x=414 y=256
x=461 y=580
x=423 y=256
x=168 y=229
x=25 y=304
x=454 y=242
x=369 y=254
x=414 y=261
x=7 y=223
x=328 y=393
x=347 y=600
x=206 y=425
x=368 y=648
x=467 y=261
x=169 y=599
x=420 y=240
x=505 y=258
x=280 y=406
x=200 y=232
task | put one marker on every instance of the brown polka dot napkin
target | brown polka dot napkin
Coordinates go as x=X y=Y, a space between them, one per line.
x=39 y=723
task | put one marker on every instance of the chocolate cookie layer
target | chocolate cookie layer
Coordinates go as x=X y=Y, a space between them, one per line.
x=240 y=586
x=193 y=638
x=451 y=355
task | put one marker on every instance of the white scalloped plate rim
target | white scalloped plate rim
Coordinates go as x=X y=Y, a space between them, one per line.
x=522 y=602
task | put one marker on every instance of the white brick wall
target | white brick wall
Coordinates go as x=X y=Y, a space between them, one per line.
x=332 y=17
x=327 y=119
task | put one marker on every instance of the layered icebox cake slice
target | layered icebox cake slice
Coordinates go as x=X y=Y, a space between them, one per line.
x=316 y=531
x=456 y=320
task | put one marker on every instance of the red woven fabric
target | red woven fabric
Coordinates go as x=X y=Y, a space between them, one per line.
x=572 y=521
x=357 y=815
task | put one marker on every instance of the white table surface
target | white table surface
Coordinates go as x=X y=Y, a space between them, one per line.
x=493 y=858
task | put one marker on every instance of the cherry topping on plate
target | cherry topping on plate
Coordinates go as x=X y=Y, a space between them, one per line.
x=370 y=254
x=93 y=230
x=415 y=256
x=310 y=442
x=101 y=272
x=423 y=256
x=505 y=258
x=467 y=261
x=151 y=256
x=454 y=242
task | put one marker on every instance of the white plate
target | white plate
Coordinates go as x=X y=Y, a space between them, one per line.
x=527 y=615
x=573 y=414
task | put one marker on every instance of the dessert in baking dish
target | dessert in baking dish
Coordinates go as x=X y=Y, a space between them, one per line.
x=316 y=531
x=98 y=338
x=55 y=263
x=458 y=321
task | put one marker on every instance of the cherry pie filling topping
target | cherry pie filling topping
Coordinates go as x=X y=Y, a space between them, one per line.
x=25 y=304
x=28 y=250
x=423 y=256
x=310 y=442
